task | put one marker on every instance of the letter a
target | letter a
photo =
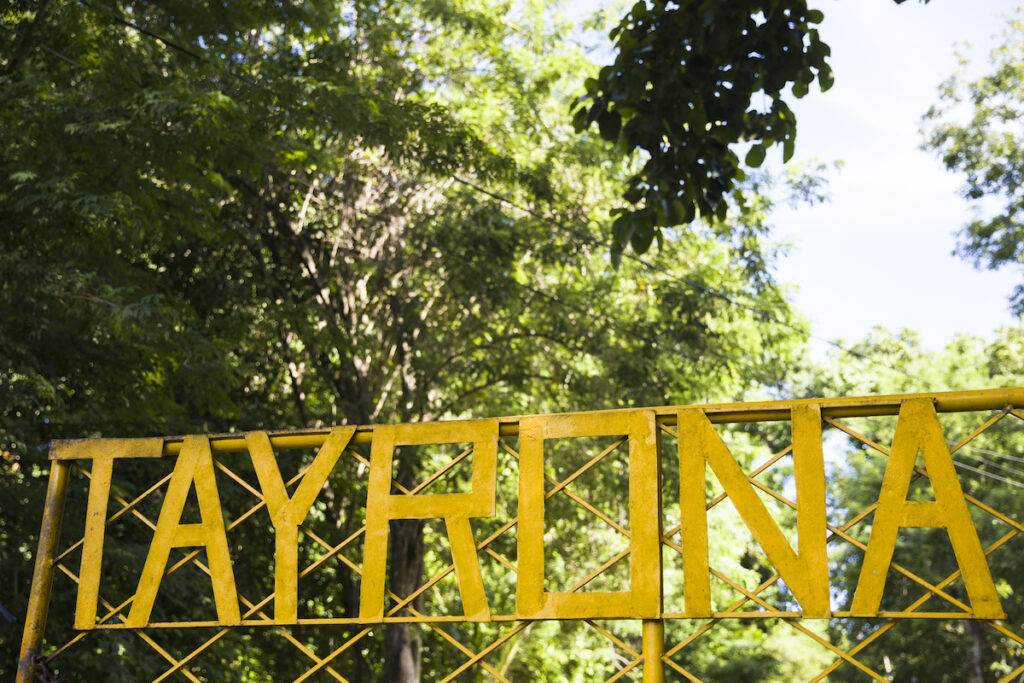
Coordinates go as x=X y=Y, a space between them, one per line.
x=918 y=429
x=194 y=466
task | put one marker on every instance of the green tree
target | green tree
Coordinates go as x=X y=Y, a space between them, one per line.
x=985 y=146
x=691 y=81
x=306 y=214
x=989 y=469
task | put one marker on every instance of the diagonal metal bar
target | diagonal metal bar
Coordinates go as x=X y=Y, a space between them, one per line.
x=637 y=658
x=859 y=437
x=486 y=651
x=611 y=636
x=755 y=597
x=689 y=676
x=113 y=518
x=1012 y=675
x=592 y=510
x=995 y=513
x=1006 y=632
x=625 y=670
x=561 y=486
x=582 y=470
x=862 y=546
x=722 y=496
x=344 y=646
x=917 y=603
x=191 y=556
x=141 y=634
x=762 y=587
x=441 y=472
x=600 y=570
x=474 y=658
x=258 y=611
x=848 y=658
x=404 y=603
x=973 y=435
x=500 y=559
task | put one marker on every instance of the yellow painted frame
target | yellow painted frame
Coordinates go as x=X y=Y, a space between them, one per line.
x=917 y=416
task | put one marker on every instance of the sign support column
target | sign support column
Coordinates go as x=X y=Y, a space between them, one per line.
x=42 y=576
x=654 y=650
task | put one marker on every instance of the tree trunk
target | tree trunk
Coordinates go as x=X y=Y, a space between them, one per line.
x=405 y=571
x=975 y=669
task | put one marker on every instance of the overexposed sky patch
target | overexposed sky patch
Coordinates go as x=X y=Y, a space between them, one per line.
x=880 y=252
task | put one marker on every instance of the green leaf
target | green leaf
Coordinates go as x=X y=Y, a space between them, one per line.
x=815 y=16
x=622 y=229
x=825 y=79
x=642 y=238
x=579 y=120
x=755 y=157
x=609 y=123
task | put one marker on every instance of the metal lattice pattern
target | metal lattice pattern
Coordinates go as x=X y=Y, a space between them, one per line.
x=464 y=649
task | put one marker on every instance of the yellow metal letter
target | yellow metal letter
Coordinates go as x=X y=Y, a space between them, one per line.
x=286 y=514
x=806 y=573
x=918 y=430
x=643 y=599
x=102 y=452
x=455 y=508
x=194 y=466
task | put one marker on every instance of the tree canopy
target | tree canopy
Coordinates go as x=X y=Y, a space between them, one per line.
x=267 y=215
x=330 y=213
x=990 y=471
x=692 y=81
x=986 y=147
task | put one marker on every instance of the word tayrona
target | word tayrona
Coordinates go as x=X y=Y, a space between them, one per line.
x=804 y=569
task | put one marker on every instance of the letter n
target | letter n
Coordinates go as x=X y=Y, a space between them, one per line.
x=806 y=573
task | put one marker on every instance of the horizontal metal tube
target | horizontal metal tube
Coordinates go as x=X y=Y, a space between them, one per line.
x=721 y=413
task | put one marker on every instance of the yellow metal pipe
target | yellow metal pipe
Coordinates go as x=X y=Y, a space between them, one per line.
x=766 y=411
x=654 y=650
x=42 y=576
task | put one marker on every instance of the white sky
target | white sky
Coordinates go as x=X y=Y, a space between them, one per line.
x=880 y=252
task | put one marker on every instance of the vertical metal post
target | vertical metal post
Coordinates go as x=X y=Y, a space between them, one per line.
x=653 y=650
x=653 y=645
x=42 y=577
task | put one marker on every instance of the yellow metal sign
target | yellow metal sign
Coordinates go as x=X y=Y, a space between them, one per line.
x=643 y=436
